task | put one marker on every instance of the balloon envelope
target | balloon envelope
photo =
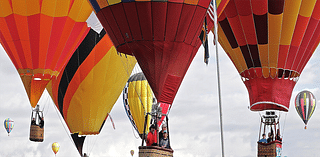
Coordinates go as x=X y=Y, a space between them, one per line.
x=162 y=35
x=40 y=36
x=55 y=147
x=270 y=42
x=90 y=84
x=305 y=105
x=8 y=125
x=138 y=100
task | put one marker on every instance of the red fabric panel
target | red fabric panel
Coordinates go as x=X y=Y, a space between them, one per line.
x=243 y=7
x=159 y=22
x=132 y=17
x=170 y=88
x=195 y=25
x=258 y=72
x=231 y=9
x=269 y=90
x=78 y=33
x=252 y=73
x=313 y=23
x=299 y=30
x=55 y=35
x=204 y=3
x=316 y=11
x=259 y=7
x=165 y=109
x=291 y=57
x=111 y=25
x=106 y=26
x=144 y=8
x=249 y=29
x=45 y=34
x=122 y=22
x=282 y=57
x=237 y=30
x=34 y=27
x=10 y=20
x=184 y=22
x=173 y=16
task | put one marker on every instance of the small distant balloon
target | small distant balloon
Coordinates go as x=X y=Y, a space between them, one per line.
x=55 y=147
x=132 y=152
x=8 y=125
x=305 y=105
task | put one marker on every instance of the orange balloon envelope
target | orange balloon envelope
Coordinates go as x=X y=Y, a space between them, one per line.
x=40 y=36
x=270 y=42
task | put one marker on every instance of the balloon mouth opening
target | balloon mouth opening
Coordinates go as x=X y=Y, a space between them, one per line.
x=257 y=106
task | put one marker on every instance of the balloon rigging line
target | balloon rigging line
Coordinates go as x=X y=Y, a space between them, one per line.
x=133 y=132
x=218 y=72
x=64 y=127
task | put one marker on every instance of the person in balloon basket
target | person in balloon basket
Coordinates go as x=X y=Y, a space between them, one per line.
x=164 y=142
x=164 y=128
x=270 y=137
x=263 y=140
x=152 y=136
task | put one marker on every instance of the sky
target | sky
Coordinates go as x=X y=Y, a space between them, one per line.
x=194 y=122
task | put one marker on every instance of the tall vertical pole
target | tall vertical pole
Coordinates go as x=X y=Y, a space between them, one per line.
x=218 y=72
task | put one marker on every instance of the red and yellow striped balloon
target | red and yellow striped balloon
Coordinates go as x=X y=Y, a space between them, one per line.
x=270 y=42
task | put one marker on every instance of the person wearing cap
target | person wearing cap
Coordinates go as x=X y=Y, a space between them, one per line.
x=164 y=142
x=164 y=127
x=152 y=136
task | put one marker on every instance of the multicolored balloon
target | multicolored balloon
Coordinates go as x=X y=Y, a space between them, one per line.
x=131 y=152
x=55 y=147
x=270 y=42
x=305 y=103
x=138 y=100
x=8 y=125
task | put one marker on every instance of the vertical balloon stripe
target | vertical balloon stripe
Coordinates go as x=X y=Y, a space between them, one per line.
x=275 y=7
x=302 y=108
x=228 y=33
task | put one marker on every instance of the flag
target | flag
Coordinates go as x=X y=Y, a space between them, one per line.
x=210 y=11
x=204 y=39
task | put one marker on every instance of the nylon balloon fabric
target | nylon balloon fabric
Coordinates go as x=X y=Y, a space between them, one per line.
x=162 y=35
x=90 y=84
x=138 y=100
x=305 y=104
x=270 y=42
x=40 y=36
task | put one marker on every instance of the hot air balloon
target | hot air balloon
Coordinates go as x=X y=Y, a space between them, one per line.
x=55 y=147
x=90 y=85
x=131 y=152
x=138 y=100
x=8 y=125
x=305 y=105
x=270 y=42
x=40 y=36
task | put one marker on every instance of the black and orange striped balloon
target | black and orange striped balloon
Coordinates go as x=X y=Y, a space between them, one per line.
x=270 y=42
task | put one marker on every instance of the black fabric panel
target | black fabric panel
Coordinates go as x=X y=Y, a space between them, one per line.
x=275 y=6
x=78 y=141
x=254 y=51
x=137 y=77
x=261 y=24
x=228 y=32
x=75 y=61
x=247 y=56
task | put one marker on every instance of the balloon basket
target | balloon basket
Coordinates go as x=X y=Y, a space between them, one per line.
x=154 y=151
x=272 y=149
x=36 y=133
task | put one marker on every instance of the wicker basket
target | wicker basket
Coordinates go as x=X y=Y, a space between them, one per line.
x=154 y=151
x=272 y=149
x=36 y=133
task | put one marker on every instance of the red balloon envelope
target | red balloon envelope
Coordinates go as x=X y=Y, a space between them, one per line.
x=162 y=35
x=270 y=42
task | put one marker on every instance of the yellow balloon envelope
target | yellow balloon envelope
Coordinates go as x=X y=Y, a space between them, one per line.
x=55 y=147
